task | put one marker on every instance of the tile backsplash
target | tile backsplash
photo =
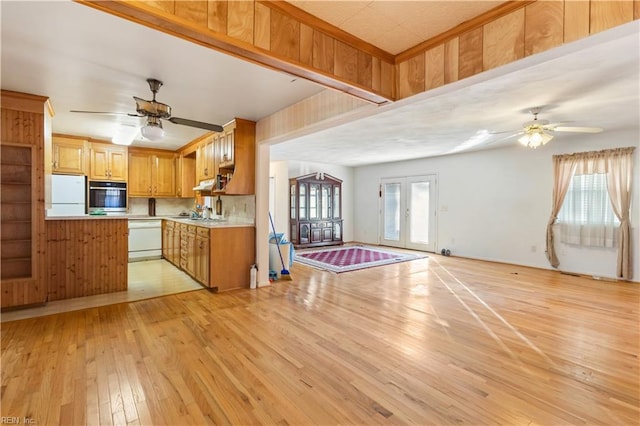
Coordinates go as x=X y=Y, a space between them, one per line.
x=240 y=208
x=164 y=206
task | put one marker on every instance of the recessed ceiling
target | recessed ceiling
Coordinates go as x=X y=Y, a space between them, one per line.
x=395 y=26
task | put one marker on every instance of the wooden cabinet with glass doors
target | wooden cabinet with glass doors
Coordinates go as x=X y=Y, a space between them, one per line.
x=315 y=213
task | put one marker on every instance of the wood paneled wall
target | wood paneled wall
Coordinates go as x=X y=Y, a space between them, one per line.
x=86 y=257
x=508 y=33
x=272 y=33
x=25 y=120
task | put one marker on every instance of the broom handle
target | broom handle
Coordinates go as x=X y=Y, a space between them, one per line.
x=277 y=242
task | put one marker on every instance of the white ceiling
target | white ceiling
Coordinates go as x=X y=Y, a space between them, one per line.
x=85 y=59
x=592 y=82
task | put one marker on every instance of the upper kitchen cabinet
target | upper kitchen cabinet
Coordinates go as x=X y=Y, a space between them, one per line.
x=185 y=176
x=108 y=162
x=70 y=155
x=152 y=173
x=237 y=166
x=25 y=144
x=206 y=158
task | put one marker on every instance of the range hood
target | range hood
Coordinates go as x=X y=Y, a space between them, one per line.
x=205 y=185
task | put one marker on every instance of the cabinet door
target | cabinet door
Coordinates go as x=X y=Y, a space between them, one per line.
x=118 y=165
x=99 y=164
x=202 y=260
x=191 y=254
x=140 y=175
x=174 y=255
x=163 y=175
x=212 y=164
x=186 y=177
x=227 y=148
x=167 y=238
x=69 y=156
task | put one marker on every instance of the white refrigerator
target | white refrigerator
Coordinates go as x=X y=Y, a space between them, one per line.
x=68 y=196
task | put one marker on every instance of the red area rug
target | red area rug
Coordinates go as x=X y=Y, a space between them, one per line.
x=346 y=259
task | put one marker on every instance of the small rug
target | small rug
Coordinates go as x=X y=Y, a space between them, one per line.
x=346 y=259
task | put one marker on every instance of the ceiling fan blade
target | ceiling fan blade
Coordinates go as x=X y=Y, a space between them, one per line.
x=198 y=124
x=577 y=129
x=130 y=114
x=506 y=137
x=504 y=131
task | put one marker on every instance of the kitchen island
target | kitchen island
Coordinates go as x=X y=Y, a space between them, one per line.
x=88 y=255
x=85 y=255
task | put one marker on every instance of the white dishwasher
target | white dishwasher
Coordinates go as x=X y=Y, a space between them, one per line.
x=145 y=239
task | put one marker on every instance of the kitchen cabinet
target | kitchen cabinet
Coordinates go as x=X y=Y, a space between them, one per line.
x=69 y=155
x=108 y=162
x=315 y=210
x=152 y=174
x=25 y=159
x=185 y=176
x=218 y=257
x=206 y=158
x=236 y=154
x=201 y=267
x=167 y=239
x=226 y=148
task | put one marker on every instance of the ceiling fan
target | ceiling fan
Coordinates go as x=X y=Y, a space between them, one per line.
x=155 y=111
x=536 y=133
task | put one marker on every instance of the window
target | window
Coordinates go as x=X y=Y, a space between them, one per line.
x=586 y=216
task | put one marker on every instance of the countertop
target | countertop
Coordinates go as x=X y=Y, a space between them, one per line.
x=230 y=223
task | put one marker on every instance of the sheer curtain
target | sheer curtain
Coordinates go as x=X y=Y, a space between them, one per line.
x=564 y=167
x=589 y=171
x=619 y=177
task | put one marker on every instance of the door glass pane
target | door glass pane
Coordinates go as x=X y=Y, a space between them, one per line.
x=293 y=201
x=313 y=201
x=392 y=211
x=419 y=217
x=326 y=202
x=336 y=202
x=303 y=201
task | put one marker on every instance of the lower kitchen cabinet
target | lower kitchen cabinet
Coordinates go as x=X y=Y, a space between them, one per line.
x=218 y=257
x=202 y=257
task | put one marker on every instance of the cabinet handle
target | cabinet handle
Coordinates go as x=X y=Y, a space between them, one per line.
x=149 y=190
x=155 y=190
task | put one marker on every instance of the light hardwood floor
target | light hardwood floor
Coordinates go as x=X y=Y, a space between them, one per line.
x=146 y=279
x=432 y=341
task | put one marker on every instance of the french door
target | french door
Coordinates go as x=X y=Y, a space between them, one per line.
x=408 y=212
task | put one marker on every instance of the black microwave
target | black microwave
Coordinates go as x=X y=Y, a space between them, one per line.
x=110 y=197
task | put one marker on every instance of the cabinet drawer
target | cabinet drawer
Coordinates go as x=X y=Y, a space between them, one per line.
x=203 y=232
x=191 y=229
x=169 y=224
x=183 y=227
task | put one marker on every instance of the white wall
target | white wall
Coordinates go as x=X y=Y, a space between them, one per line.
x=495 y=204
x=283 y=170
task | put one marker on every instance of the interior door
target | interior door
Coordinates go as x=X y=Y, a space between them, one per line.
x=408 y=212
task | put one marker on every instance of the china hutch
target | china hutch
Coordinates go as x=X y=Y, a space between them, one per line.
x=315 y=214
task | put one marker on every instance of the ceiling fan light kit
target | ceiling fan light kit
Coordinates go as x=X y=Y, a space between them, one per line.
x=535 y=138
x=153 y=129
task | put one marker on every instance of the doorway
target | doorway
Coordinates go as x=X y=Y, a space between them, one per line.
x=408 y=212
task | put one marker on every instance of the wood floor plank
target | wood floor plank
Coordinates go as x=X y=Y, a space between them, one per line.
x=433 y=341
